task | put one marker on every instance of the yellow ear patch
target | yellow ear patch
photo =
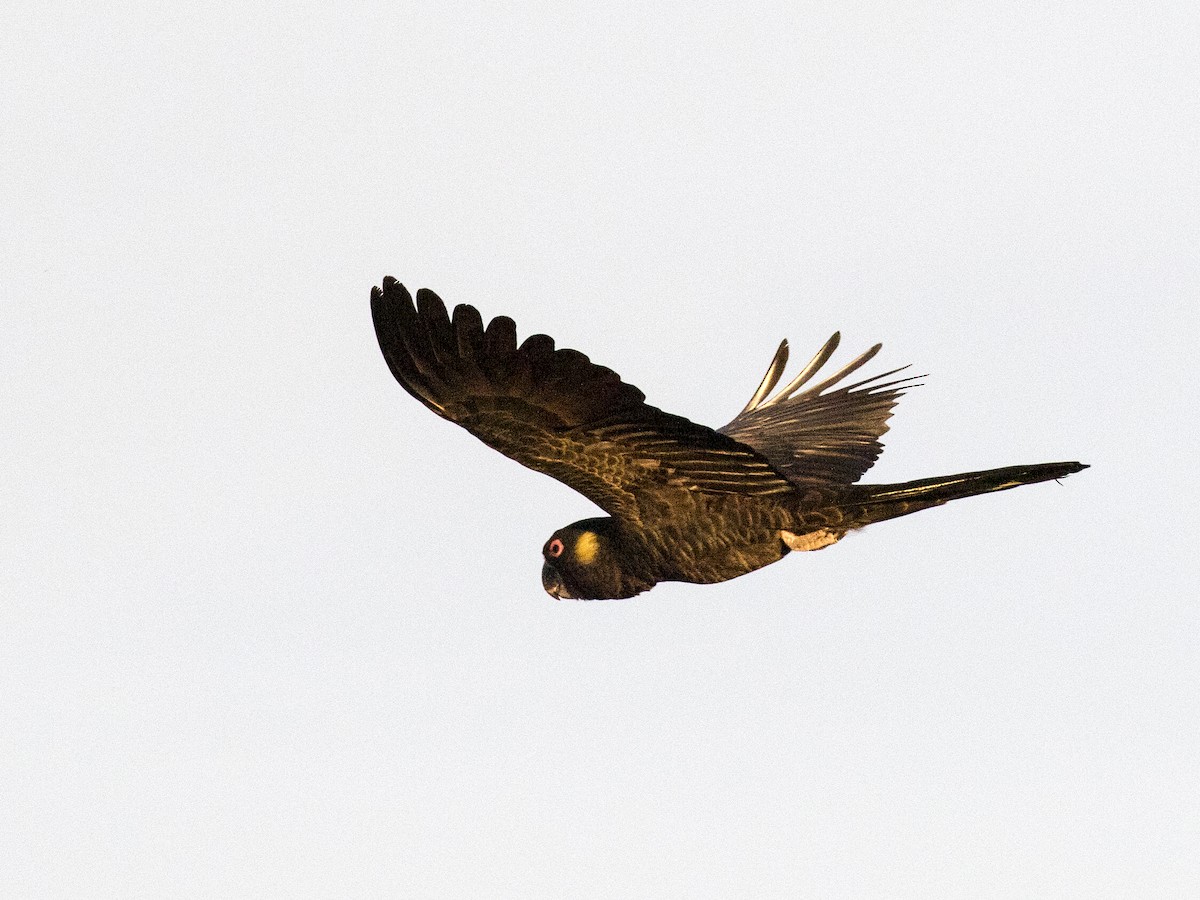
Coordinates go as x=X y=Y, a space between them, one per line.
x=587 y=547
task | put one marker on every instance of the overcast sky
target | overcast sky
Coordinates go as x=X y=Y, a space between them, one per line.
x=270 y=628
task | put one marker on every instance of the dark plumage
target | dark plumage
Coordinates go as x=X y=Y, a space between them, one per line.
x=686 y=502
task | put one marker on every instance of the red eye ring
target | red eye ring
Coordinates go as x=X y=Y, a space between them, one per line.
x=555 y=548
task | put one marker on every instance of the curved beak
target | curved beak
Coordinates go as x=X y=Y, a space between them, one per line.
x=553 y=583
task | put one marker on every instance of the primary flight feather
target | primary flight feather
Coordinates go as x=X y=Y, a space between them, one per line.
x=685 y=502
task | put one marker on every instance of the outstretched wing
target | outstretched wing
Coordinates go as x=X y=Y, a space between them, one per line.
x=555 y=411
x=820 y=436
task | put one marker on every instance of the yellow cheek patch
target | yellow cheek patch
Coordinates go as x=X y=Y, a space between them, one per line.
x=587 y=547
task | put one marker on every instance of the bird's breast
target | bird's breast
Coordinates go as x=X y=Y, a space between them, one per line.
x=718 y=538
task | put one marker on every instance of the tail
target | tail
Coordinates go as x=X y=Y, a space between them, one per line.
x=877 y=502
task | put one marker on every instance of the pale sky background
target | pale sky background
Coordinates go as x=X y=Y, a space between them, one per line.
x=268 y=628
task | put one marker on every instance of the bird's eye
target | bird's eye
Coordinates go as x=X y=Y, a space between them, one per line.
x=555 y=548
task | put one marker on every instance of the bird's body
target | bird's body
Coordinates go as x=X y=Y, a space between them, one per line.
x=687 y=502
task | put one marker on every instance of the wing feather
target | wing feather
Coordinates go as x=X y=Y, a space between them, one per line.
x=555 y=411
x=820 y=436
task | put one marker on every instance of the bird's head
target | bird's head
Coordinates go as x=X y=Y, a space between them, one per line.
x=589 y=561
